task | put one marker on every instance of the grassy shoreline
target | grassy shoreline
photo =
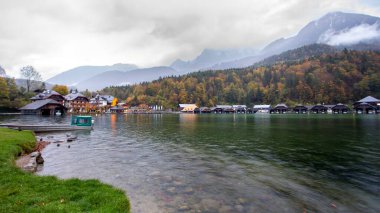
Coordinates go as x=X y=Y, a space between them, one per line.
x=25 y=192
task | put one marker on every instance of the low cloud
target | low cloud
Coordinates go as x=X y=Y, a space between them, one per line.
x=360 y=33
x=54 y=36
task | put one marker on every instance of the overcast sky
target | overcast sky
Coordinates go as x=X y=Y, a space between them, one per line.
x=54 y=36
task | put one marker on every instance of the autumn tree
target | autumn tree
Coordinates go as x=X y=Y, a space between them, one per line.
x=4 y=92
x=328 y=78
x=61 y=89
x=87 y=93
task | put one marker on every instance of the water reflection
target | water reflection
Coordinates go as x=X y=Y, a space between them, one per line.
x=113 y=121
x=231 y=163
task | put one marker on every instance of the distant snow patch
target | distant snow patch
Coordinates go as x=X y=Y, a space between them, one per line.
x=353 y=35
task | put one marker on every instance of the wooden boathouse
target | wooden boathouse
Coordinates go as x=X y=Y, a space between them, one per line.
x=219 y=109
x=319 y=109
x=264 y=108
x=202 y=110
x=49 y=94
x=340 y=109
x=240 y=108
x=187 y=107
x=279 y=109
x=300 y=109
x=367 y=105
x=365 y=108
x=44 y=107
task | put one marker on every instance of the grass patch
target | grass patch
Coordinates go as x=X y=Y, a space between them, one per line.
x=25 y=192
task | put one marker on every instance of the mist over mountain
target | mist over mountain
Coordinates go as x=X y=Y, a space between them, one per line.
x=337 y=29
x=298 y=54
x=334 y=30
x=210 y=57
x=73 y=76
x=118 y=78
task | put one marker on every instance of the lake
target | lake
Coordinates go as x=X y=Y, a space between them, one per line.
x=226 y=163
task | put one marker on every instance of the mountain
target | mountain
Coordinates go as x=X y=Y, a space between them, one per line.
x=340 y=77
x=339 y=30
x=299 y=54
x=334 y=29
x=73 y=76
x=345 y=30
x=118 y=78
x=210 y=57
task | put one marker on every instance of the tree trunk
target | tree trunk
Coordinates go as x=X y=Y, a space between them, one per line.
x=27 y=85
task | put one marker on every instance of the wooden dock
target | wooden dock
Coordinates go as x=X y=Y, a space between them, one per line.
x=46 y=128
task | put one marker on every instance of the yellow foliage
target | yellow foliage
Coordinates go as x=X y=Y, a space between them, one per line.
x=114 y=102
x=61 y=89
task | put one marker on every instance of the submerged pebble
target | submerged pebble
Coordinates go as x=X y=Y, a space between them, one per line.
x=239 y=208
x=177 y=183
x=225 y=209
x=171 y=189
x=188 y=190
x=210 y=204
x=184 y=208
x=241 y=200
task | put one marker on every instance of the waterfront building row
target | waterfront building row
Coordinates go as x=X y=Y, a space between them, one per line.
x=367 y=105
x=50 y=102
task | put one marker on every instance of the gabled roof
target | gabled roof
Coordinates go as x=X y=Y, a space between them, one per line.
x=364 y=105
x=261 y=106
x=73 y=96
x=223 y=106
x=369 y=99
x=281 y=105
x=38 y=104
x=239 y=106
x=340 y=106
x=108 y=98
x=191 y=107
x=187 y=105
x=329 y=105
x=45 y=95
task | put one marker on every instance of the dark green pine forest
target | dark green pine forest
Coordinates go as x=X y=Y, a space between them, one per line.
x=334 y=77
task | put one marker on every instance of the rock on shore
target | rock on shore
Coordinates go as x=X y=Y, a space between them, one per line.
x=31 y=161
x=35 y=158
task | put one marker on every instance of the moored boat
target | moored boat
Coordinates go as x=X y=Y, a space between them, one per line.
x=77 y=123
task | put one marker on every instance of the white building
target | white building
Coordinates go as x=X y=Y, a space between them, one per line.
x=261 y=108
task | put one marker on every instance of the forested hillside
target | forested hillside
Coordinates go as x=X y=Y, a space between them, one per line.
x=343 y=76
x=308 y=51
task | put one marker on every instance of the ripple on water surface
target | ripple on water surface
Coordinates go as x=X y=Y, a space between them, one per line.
x=227 y=163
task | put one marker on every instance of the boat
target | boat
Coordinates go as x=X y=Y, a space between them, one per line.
x=77 y=123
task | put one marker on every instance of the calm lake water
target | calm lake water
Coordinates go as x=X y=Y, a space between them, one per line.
x=227 y=163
